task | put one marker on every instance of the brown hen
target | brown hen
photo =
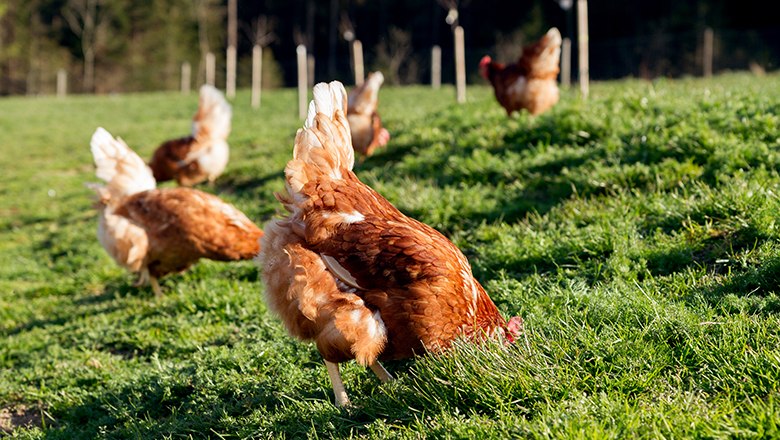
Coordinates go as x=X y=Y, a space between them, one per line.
x=349 y=271
x=364 y=121
x=154 y=232
x=204 y=154
x=531 y=82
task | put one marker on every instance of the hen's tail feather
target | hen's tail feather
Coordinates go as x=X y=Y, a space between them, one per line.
x=364 y=99
x=544 y=55
x=323 y=147
x=212 y=121
x=124 y=172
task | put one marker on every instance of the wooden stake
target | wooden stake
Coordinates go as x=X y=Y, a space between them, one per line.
x=230 y=74
x=566 y=62
x=186 y=73
x=232 y=43
x=582 y=36
x=62 y=83
x=257 y=75
x=310 y=69
x=211 y=65
x=436 y=67
x=357 y=53
x=708 y=50
x=302 y=81
x=460 y=65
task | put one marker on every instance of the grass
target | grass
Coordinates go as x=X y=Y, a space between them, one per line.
x=635 y=233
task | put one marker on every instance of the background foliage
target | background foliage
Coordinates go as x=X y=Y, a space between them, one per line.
x=140 y=45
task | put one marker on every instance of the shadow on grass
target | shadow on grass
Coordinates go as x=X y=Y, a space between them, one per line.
x=242 y=182
x=755 y=290
x=76 y=309
x=712 y=253
x=573 y=162
x=175 y=404
x=388 y=155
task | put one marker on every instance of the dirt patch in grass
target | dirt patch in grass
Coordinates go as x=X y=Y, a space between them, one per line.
x=20 y=416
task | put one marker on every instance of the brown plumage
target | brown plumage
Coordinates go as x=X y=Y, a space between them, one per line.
x=154 y=232
x=364 y=121
x=202 y=155
x=531 y=82
x=349 y=271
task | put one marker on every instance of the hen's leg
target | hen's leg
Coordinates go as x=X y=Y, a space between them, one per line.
x=380 y=372
x=155 y=287
x=143 y=278
x=338 y=385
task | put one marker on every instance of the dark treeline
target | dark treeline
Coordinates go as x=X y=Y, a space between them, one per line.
x=123 y=45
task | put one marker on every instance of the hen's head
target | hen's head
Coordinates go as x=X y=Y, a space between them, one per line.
x=514 y=328
x=484 y=64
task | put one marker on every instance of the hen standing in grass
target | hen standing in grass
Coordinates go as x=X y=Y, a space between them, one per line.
x=154 y=232
x=351 y=272
x=531 y=82
x=364 y=122
x=202 y=155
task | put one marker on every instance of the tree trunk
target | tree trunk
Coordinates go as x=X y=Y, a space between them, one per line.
x=89 y=69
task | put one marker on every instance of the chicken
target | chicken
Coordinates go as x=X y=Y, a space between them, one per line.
x=349 y=271
x=364 y=122
x=531 y=82
x=154 y=232
x=202 y=155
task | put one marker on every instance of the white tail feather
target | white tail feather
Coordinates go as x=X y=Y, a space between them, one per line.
x=364 y=99
x=324 y=145
x=212 y=121
x=116 y=164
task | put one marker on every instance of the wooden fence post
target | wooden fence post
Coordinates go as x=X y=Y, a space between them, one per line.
x=186 y=73
x=62 y=83
x=582 y=36
x=230 y=74
x=303 y=83
x=357 y=53
x=257 y=75
x=436 y=67
x=211 y=65
x=460 y=64
x=310 y=69
x=566 y=62
x=707 y=52
x=232 y=43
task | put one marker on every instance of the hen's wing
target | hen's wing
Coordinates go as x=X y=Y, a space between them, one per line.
x=170 y=159
x=185 y=224
x=421 y=283
x=125 y=242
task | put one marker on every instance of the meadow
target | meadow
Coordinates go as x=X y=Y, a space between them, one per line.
x=636 y=233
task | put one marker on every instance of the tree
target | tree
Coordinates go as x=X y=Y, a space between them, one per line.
x=209 y=15
x=87 y=19
x=395 y=52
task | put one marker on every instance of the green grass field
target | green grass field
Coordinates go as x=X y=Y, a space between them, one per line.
x=636 y=233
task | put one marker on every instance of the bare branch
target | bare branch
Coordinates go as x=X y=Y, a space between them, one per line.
x=394 y=51
x=299 y=37
x=69 y=14
x=260 y=31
